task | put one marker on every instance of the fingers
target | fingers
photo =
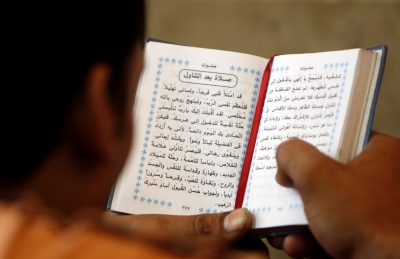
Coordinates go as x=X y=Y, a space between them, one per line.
x=292 y=156
x=240 y=254
x=219 y=230
x=230 y=254
x=301 y=245
x=276 y=242
x=301 y=165
x=296 y=245
x=252 y=243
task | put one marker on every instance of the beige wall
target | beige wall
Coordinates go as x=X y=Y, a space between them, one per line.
x=266 y=27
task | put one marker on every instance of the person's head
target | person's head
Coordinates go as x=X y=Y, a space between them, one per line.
x=74 y=69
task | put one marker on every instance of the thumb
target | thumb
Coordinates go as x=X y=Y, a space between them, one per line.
x=317 y=177
x=213 y=231
x=303 y=166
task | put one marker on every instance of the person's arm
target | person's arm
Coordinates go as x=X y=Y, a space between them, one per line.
x=353 y=209
x=29 y=230
x=190 y=233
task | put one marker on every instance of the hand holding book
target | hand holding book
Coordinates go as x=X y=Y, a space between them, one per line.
x=356 y=204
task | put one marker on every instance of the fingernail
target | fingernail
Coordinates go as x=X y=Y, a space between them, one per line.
x=235 y=220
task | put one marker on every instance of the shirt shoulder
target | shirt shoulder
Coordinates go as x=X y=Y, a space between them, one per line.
x=34 y=234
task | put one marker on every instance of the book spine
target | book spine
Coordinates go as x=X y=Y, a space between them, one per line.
x=253 y=135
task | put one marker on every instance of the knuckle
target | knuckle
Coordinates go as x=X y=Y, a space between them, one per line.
x=285 y=147
x=201 y=226
x=280 y=150
x=208 y=224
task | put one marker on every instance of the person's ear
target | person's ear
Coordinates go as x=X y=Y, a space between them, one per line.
x=94 y=116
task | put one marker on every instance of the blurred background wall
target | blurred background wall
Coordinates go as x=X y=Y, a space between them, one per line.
x=266 y=27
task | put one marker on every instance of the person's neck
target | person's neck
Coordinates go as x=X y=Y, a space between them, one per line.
x=58 y=181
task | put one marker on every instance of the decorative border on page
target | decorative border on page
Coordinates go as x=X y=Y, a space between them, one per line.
x=257 y=82
x=163 y=61
x=342 y=86
x=148 y=131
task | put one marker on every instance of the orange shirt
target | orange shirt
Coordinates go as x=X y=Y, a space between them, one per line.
x=27 y=233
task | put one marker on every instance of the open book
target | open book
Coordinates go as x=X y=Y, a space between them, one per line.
x=207 y=124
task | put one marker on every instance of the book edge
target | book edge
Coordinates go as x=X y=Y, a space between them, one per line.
x=384 y=49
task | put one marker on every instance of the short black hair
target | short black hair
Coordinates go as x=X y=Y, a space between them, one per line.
x=49 y=51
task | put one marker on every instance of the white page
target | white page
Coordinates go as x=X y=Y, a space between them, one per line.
x=307 y=98
x=193 y=116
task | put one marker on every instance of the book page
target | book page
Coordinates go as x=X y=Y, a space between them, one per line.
x=307 y=98
x=193 y=116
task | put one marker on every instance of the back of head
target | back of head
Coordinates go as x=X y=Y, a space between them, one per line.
x=49 y=51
